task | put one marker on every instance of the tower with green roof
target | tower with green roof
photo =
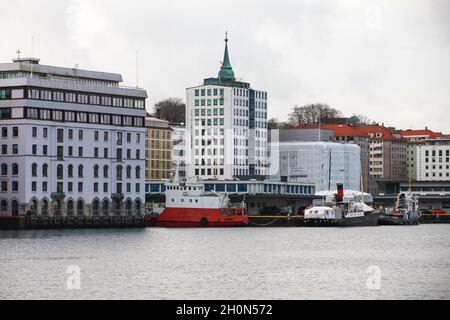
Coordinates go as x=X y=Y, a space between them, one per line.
x=227 y=122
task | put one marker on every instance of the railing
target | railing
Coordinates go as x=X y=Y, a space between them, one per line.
x=73 y=81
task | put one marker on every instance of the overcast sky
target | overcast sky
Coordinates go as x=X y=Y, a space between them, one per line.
x=387 y=59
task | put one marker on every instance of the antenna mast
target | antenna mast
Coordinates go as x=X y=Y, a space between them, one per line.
x=137 y=70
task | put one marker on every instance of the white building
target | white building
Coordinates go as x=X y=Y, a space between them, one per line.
x=433 y=160
x=323 y=163
x=71 y=141
x=227 y=124
x=179 y=149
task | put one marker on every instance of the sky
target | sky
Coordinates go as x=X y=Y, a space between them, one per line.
x=386 y=59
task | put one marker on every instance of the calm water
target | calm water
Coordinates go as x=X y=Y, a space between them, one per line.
x=247 y=263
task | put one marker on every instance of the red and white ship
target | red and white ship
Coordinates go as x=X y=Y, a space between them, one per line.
x=188 y=205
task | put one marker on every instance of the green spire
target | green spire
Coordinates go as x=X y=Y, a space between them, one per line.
x=226 y=71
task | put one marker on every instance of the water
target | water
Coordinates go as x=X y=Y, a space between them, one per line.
x=243 y=263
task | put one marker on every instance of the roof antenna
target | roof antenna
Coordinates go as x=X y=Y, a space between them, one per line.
x=137 y=70
x=31 y=63
x=18 y=54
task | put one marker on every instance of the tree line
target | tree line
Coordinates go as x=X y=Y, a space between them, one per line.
x=174 y=111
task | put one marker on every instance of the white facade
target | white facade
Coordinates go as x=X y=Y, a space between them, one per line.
x=179 y=149
x=433 y=160
x=228 y=130
x=76 y=146
x=323 y=163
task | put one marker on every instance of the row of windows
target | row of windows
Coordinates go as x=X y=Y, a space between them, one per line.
x=209 y=112
x=159 y=144
x=440 y=160
x=80 y=187
x=209 y=102
x=85 y=98
x=14 y=169
x=209 y=92
x=14 y=149
x=80 y=171
x=14 y=186
x=210 y=122
x=14 y=133
x=209 y=172
x=165 y=134
x=433 y=153
x=84 y=117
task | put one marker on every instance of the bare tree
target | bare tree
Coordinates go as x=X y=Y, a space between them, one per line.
x=171 y=109
x=312 y=113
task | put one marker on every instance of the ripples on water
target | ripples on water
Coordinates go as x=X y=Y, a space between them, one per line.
x=243 y=263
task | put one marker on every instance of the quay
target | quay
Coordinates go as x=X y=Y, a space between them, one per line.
x=71 y=222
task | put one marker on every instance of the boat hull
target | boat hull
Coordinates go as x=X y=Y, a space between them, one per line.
x=195 y=218
x=369 y=220
x=393 y=220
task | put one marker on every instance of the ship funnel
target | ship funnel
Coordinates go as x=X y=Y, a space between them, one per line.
x=340 y=192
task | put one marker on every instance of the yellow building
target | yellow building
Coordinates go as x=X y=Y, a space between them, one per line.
x=158 y=149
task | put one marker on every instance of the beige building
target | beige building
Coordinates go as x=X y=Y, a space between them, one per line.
x=158 y=149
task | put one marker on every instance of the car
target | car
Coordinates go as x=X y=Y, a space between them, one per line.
x=438 y=211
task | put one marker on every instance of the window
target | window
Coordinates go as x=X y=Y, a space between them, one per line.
x=80 y=151
x=96 y=135
x=15 y=186
x=105 y=153
x=96 y=152
x=60 y=135
x=70 y=171
x=34 y=132
x=80 y=186
x=119 y=173
x=34 y=149
x=96 y=168
x=45 y=170
x=95 y=187
x=80 y=135
x=15 y=169
x=105 y=171
x=15 y=148
x=80 y=171
x=4 y=132
x=33 y=186
x=59 y=172
x=45 y=133
x=4 y=169
x=138 y=172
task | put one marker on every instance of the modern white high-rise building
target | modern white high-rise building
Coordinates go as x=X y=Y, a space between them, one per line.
x=227 y=125
x=179 y=142
x=72 y=142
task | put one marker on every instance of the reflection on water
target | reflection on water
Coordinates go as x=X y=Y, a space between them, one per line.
x=242 y=263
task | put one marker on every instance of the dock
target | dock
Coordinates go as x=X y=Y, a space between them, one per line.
x=71 y=222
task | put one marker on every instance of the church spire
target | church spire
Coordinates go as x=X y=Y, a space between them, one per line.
x=226 y=71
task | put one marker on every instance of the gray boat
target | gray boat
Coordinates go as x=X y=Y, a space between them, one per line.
x=406 y=211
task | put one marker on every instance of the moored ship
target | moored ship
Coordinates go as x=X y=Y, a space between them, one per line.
x=188 y=205
x=406 y=211
x=341 y=212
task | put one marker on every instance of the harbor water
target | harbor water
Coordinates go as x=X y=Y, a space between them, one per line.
x=411 y=262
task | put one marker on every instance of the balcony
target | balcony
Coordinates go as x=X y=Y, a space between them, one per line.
x=58 y=196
